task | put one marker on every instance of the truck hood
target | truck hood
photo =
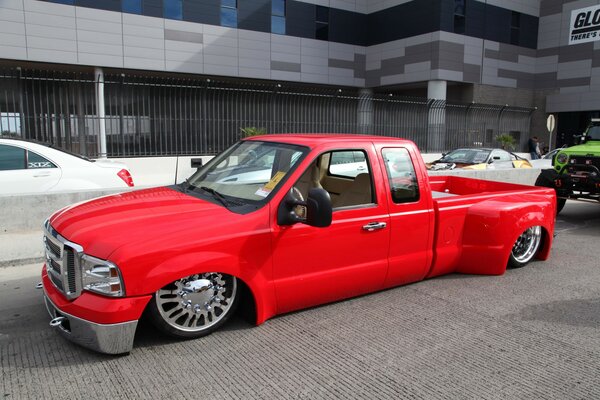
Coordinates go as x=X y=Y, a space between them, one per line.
x=103 y=225
x=592 y=147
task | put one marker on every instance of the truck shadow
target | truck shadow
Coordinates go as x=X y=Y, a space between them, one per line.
x=147 y=335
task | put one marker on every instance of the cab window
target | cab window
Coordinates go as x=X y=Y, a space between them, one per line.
x=348 y=163
x=401 y=175
x=344 y=174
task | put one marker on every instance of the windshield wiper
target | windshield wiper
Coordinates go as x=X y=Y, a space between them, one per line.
x=217 y=196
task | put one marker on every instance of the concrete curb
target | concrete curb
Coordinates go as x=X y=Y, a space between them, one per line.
x=21 y=261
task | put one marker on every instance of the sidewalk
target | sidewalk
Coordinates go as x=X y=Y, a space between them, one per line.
x=21 y=248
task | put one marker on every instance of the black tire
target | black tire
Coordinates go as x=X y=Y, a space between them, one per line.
x=546 y=178
x=179 y=311
x=560 y=204
x=526 y=247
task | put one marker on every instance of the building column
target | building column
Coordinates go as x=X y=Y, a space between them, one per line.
x=436 y=90
x=100 y=112
x=365 y=111
x=436 y=132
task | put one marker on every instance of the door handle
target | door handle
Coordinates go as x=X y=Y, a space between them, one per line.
x=41 y=174
x=374 y=226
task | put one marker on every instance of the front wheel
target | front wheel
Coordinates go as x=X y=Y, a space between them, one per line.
x=194 y=306
x=547 y=179
x=526 y=247
x=560 y=203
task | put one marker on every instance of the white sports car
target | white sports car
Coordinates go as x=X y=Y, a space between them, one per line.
x=28 y=167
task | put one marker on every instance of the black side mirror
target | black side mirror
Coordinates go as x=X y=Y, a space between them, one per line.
x=318 y=208
x=315 y=211
x=196 y=162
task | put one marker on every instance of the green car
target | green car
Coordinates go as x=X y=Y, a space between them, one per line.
x=576 y=170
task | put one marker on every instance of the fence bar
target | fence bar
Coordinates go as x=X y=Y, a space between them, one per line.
x=157 y=116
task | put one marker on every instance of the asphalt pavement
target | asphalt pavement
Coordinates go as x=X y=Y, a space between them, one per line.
x=533 y=333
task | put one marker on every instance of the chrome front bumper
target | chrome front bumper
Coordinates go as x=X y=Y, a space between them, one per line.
x=104 y=338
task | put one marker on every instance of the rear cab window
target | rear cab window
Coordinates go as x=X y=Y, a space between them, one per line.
x=401 y=175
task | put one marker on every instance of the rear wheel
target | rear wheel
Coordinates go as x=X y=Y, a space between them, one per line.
x=526 y=247
x=194 y=306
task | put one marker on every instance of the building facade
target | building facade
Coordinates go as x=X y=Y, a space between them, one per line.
x=516 y=53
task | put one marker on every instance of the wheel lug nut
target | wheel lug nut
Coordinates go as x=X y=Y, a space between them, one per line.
x=197 y=309
x=186 y=303
x=207 y=306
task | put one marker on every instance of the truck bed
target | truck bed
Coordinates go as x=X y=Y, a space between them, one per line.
x=466 y=211
x=450 y=185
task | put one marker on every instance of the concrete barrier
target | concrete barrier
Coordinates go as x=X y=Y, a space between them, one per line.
x=26 y=213
x=160 y=171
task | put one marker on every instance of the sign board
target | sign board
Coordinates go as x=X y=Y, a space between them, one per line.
x=550 y=123
x=585 y=25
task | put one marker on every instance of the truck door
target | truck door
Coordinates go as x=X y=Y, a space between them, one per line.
x=411 y=217
x=318 y=265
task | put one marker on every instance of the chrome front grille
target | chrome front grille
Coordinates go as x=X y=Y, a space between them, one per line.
x=62 y=262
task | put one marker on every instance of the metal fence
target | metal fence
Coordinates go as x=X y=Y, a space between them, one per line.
x=158 y=116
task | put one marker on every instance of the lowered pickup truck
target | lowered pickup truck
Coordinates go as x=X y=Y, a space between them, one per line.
x=308 y=233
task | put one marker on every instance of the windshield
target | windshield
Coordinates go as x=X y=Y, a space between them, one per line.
x=248 y=172
x=466 y=156
x=593 y=133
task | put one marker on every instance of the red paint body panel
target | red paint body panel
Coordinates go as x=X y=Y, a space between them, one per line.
x=156 y=236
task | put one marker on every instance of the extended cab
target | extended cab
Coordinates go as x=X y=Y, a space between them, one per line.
x=279 y=223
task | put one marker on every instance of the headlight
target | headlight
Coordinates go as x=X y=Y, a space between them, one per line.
x=101 y=276
x=562 y=158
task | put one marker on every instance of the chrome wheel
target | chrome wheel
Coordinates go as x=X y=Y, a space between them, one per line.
x=526 y=246
x=196 y=305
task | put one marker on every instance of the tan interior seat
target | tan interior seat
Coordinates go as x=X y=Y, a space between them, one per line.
x=359 y=192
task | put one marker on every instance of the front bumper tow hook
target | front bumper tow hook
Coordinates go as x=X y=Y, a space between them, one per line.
x=39 y=285
x=57 y=321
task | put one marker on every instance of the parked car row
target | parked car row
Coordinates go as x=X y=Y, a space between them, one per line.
x=29 y=167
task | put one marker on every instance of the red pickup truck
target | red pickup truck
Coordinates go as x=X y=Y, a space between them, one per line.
x=279 y=223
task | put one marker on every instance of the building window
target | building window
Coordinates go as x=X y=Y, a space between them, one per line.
x=515 y=27
x=459 y=16
x=229 y=13
x=132 y=6
x=278 y=16
x=322 y=23
x=173 y=9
